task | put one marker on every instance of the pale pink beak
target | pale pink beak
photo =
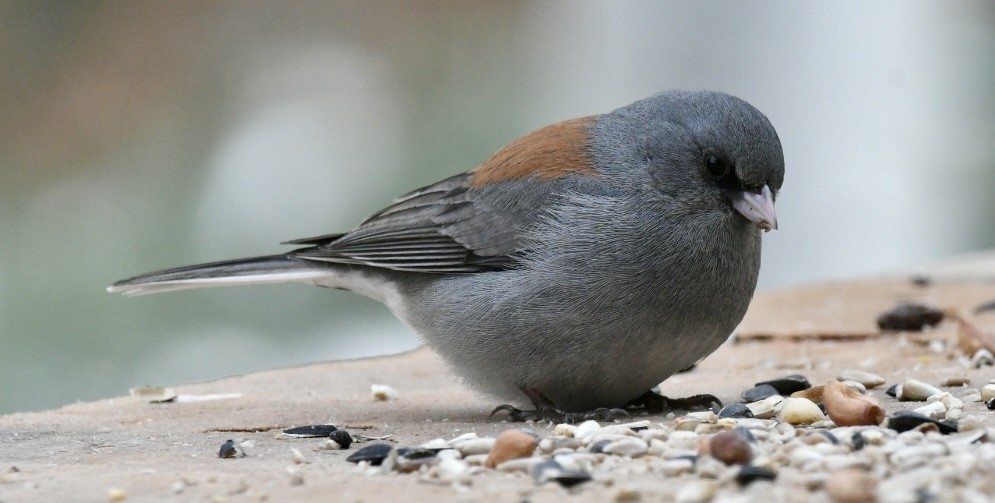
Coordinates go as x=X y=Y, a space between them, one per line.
x=757 y=207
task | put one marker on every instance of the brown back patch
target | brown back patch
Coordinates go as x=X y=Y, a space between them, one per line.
x=546 y=153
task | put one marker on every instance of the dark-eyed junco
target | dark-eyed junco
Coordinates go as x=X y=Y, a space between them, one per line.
x=578 y=267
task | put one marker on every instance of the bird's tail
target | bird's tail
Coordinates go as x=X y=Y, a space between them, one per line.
x=246 y=271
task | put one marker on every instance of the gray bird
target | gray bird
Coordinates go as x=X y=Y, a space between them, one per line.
x=578 y=267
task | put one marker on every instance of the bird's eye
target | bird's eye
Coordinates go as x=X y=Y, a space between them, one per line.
x=716 y=166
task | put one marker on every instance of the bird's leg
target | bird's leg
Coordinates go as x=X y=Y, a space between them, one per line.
x=652 y=402
x=546 y=410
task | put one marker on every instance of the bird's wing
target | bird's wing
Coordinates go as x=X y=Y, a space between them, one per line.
x=470 y=222
x=435 y=229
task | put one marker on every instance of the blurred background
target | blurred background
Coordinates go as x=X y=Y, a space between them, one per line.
x=142 y=135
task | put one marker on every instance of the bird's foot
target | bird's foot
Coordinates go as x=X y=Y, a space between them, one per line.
x=545 y=410
x=652 y=402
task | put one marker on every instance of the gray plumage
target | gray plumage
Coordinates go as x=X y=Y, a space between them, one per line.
x=589 y=286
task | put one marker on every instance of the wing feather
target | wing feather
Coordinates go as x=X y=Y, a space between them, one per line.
x=471 y=222
x=414 y=234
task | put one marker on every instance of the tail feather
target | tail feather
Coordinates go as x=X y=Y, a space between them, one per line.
x=247 y=271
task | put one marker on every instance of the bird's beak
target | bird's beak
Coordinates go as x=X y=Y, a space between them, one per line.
x=757 y=207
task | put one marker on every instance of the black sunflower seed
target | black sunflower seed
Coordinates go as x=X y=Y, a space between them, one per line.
x=735 y=410
x=314 y=430
x=905 y=420
x=788 y=384
x=374 y=454
x=759 y=392
x=228 y=449
x=749 y=474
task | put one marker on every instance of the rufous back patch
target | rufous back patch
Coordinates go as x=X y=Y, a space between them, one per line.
x=550 y=152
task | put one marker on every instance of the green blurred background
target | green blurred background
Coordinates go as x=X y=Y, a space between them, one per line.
x=142 y=135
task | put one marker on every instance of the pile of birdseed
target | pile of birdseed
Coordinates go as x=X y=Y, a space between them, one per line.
x=773 y=448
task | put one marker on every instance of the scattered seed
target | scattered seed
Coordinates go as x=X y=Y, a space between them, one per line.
x=847 y=407
x=450 y=469
x=314 y=430
x=297 y=456
x=751 y=473
x=735 y=410
x=868 y=379
x=474 y=446
x=728 y=447
x=586 y=429
x=230 y=450
x=564 y=430
x=829 y=436
x=762 y=409
x=732 y=447
x=954 y=381
x=858 y=441
x=153 y=394
x=982 y=358
x=933 y=410
x=759 y=392
x=553 y=471
x=904 y=420
x=340 y=438
x=788 y=384
x=916 y=391
x=383 y=393
x=511 y=444
x=909 y=318
x=436 y=445
x=696 y=491
x=415 y=452
x=374 y=454
x=599 y=446
x=800 y=411
x=629 y=447
x=892 y=391
x=677 y=466
x=410 y=459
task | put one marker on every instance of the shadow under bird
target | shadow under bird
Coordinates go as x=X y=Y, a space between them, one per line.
x=578 y=267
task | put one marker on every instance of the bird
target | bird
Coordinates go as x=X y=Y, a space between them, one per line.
x=577 y=268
